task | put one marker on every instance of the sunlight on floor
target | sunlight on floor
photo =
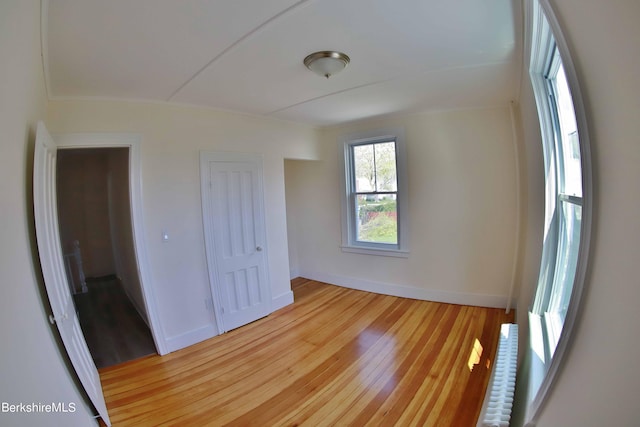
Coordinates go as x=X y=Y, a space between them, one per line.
x=476 y=354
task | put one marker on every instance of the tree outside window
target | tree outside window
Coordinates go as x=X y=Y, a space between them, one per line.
x=374 y=202
x=376 y=186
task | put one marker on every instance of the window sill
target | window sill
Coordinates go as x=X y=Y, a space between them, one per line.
x=396 y=253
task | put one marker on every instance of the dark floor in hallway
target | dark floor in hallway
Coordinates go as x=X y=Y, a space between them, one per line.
x=114 y=331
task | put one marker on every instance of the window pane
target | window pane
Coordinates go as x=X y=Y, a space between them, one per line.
x=385 y=161
x=364 y=165
x=567 y=258
x=377 y=218
x=570 y=175
x=565 y=272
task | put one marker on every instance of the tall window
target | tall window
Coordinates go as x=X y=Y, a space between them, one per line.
x=375 y=192
x=567 y=202
x=374 y=202
x=563 y=211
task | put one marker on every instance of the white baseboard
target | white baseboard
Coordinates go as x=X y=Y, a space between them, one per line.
x=189 y=338
x=281 y=301
x=209 y=331
x=478 y=300
x=293 y=273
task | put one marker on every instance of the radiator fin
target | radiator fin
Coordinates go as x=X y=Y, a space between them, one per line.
x=498 y=401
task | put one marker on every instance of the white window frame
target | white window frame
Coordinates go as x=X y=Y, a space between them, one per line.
x=349 y=241
x=543 y=36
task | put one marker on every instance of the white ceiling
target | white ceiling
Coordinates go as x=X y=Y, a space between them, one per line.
x=246 y=55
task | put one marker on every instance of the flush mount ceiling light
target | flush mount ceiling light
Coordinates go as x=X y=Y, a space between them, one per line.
x=326 y=63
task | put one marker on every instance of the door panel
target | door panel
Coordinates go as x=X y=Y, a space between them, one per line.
x=238 y=235
x=51 y=260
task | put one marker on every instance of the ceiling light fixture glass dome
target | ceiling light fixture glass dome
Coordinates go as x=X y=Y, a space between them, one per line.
x=327 y=62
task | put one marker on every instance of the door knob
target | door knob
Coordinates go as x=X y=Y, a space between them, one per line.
x=259 y=248
x=53 y=319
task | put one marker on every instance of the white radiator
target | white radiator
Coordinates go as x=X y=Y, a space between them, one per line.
x=498 y=401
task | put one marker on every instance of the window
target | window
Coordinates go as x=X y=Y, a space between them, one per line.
x=563 y=210
x=374 y=201
x=567 y=202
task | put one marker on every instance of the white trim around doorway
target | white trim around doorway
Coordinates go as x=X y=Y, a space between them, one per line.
x=131 y=141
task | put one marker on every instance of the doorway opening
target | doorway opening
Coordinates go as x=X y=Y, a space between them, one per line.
x=95 y=224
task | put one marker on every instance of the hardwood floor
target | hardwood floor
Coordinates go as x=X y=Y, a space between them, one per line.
x=114 y=331
x=335 y=357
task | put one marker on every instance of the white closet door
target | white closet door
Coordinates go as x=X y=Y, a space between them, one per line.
x=236 y=230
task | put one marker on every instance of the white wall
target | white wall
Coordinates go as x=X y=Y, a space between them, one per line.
x=294 y=193
x=462 y=211
x=122 y=238
x=32 y=368
x=172 y=137
x=599 y=382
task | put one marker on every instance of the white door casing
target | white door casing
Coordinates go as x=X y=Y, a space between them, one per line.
x=49 y=249
x=235 y=237
x=132 y=142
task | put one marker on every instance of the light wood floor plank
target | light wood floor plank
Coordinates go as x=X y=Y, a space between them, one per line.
x=335 y=357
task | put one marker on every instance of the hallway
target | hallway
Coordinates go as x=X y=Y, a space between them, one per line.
x=114 y=331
